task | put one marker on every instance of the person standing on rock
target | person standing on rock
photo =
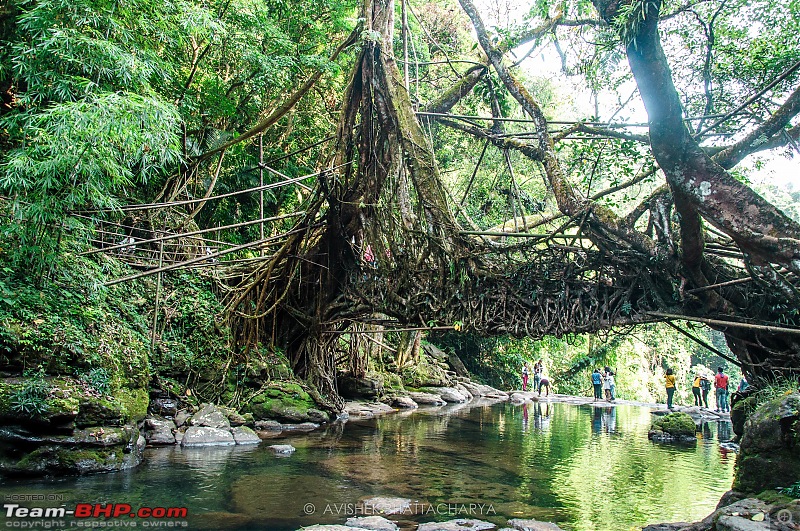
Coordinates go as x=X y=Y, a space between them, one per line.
x=607 y=383
x=538 y=373
x=525 y=376
x=705 y=387
x=612 y=386
x=721 y=386
x=696 y=390
x=670 y=382
x=597 y=383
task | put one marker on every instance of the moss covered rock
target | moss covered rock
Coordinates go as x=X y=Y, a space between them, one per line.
x=673 y=427
x=286 y=401
x=769 y=451
x=97 y=451
x=740 y=411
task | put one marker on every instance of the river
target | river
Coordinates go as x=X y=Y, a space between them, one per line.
x=584 y=468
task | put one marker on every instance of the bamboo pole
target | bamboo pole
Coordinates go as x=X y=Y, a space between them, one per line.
x=207 y=257
x=732 y=324
x=721 y=285
x=194 y=233
x=158 y=298
x=523 y=235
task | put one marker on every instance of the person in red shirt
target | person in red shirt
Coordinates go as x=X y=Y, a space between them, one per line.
x=721 y=386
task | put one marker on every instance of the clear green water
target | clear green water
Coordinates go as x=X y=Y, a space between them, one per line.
x=584 y=468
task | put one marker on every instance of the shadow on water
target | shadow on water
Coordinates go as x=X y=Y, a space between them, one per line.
x=583 y=467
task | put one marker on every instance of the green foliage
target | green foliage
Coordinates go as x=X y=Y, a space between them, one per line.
x=793 y=491
x=32 y=396
x=99 y=380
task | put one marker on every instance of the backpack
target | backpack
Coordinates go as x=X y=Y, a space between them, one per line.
x=705 y=385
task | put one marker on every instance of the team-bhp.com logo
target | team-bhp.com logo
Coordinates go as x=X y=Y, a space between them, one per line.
x=14 y=511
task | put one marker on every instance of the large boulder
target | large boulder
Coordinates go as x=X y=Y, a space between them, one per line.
x=742 y=406
x=286 y=402
x=159 y=431
x=426 y=399
x=210 y=416
x=451 y=395
x=769 y=451
x=244 y=435
x=368 y=387
x=99 y=449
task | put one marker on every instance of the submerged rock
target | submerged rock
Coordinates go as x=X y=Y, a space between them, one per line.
x=532 y=525
x=374 y=523
x=461 y=524
x=386 y=505
x=282 y=449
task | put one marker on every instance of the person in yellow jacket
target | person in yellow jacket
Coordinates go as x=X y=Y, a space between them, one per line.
x=698 y=401
x=670 y=378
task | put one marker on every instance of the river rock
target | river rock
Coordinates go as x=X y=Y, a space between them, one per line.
x=282 y=449
x=366 y=410
x=57 y=459
x=331 y=527
x=403 y=402
x=164 y=407
x=532 y=525
x=769 y=454
x=675 y=526
x=181 y=417
x=244 y=435
x=464 y=391
x=375 y=523
x=449 y=394
x=268 y=425
x=674 y=427
x=210 y=416
x=207 y=436
x=368 y=387
x=159 y=431
x=750 y=514
x=426 y=399
x=461 y=524
x=302 y=427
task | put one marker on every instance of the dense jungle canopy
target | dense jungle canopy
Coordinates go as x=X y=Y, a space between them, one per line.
x=336 y=173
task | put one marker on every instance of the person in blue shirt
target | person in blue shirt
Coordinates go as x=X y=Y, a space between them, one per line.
x=597 y=382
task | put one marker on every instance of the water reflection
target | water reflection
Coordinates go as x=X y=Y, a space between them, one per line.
x=583 y=467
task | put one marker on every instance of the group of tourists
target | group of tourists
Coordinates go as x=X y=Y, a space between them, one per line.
x=603 y=383
x=701 y=385
x=539 y=379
